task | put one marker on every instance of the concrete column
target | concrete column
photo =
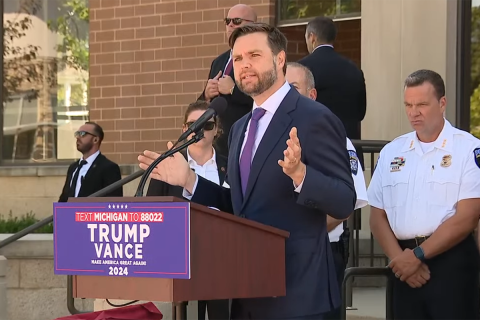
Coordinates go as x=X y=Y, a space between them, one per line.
x=399 y=37
x=3 y=288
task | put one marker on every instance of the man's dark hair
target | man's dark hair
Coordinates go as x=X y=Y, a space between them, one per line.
x=276 y=40
x=97 y=130
x=419 y=77
x=323 y=28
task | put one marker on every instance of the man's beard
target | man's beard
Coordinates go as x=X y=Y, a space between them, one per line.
x=265 y=81
x=83 y=148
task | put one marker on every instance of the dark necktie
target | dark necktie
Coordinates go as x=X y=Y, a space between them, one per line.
x=229 y=67
x=75 y=178
x=247 y=154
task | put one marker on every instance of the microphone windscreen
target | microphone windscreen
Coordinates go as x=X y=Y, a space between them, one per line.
x=219 y=104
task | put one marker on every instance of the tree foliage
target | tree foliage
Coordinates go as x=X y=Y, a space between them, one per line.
x=475 y=73
x=72 y=26
x=24 y=70
x=27 y=72
x=301 y=9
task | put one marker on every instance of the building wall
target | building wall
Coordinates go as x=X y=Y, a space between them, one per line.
x=148 y=60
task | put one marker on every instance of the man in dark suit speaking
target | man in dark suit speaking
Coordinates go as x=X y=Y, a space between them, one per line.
x=220 y=79
x=287 y=167
x=94 y=171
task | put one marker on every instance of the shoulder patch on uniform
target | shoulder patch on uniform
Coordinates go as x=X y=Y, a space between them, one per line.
x=353 y=161
x=476 y=156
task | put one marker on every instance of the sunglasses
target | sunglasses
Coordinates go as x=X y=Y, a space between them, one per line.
x=236 y=21
x=207 y=127
x=81 y=134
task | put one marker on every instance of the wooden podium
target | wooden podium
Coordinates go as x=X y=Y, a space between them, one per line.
x=230 y=257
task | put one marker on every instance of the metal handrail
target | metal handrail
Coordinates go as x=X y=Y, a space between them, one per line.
x=369 y=272
x=22 y=233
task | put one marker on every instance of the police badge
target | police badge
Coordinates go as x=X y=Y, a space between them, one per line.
x=353 y=161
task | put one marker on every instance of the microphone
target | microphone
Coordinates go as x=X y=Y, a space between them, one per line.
x=217 y=107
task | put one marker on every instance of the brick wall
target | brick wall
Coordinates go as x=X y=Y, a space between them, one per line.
x=348 y=41
x=148 y=59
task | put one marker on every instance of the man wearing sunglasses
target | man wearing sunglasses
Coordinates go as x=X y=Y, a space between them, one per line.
x=220 y=79
x=93 y=171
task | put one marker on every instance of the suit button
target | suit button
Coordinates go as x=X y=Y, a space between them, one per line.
x=242 y=216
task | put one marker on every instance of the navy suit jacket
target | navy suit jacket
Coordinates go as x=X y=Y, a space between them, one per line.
x=270 y=199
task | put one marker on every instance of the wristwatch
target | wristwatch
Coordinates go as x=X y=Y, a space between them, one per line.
x=418 y=252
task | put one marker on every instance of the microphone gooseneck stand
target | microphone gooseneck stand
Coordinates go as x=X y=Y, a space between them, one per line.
x=197 y=137
x=140 y=173
x=179 y=310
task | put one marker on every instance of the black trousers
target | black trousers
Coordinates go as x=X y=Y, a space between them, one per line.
x=452 y=291
x=340 y=265
x=217 y=309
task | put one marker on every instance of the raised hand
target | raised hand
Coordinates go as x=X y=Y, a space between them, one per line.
x=225 y=84
x=291 y=163
x=211 y=90
x=173 y=170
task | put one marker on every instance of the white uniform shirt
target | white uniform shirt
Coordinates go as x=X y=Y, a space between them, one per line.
x=360 y=188
x=419 y=184
x=83 y=171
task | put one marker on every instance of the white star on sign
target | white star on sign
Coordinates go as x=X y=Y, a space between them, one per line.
x=126 y=207
x=109 y=206
x=121 y=206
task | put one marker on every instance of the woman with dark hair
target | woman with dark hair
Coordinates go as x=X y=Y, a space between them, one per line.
x=206 y=162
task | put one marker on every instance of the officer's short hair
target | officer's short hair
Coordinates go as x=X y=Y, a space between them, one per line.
x=309 y=79
x=419 y=77
x=323 y=28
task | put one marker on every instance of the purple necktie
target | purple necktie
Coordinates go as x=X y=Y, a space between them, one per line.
x=246 y=158
x=228 y=69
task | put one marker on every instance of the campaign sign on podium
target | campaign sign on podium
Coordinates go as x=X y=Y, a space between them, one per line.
x=122 y=239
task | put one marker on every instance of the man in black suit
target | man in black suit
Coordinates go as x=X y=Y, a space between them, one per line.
x=221 y=82
x=339 y=82
x=93 y=171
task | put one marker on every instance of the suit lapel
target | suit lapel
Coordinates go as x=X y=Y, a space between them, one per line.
x=236 y=143
x=220 y=64
x=94 y=166
x=277 y=127
x=221 y=168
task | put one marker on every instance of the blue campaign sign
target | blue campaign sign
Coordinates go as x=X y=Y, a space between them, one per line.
x=133 y=239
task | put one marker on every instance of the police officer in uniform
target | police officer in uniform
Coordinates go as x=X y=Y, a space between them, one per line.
x=425 y=199
x=301 y=78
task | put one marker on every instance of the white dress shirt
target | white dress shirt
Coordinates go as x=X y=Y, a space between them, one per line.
x=360 y=188
x=83 y=171
x=209 y=170
x=418 y=185
x=270 y=105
